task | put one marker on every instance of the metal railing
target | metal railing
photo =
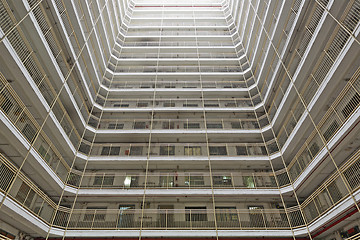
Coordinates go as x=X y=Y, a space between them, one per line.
x=183 y=23
x=175 y=69
x=337 y=115
x=25 y=123
x=128 y=150
x=123 y=56
x=327 y=59
x=31 y=63
x=178 y=124
x=294 y=168
x=168 y=32
x=177 y=102
x=185 y=84
x=199 y=43
x=177 y=180
x=329 y=194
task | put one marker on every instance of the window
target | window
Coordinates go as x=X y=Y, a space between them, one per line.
x=5 y=103
x=166 y=181
x=169 y=104
x=105 y=151
x=110 y=151
x=22 y=193
x=211 y=105
x=95 y=214
x=191 y=125
x=102 y=180
x=331 y=130
x=249 y=181
x=230 y=104
x=142 y=104
x=131 y=181
x=272 y=147
x=121 y=105
x=217 y=150
x=6 y=177
x=93 y=122
x=222 y=180
x=352 y=104
x=314 y=149
x=214 y=125
x=235 y=125
x=190 y=105
x=194 y=181
x=136 y=150
x=241 y=150
x=192 y=150
x=114 y=151
x=29 y=132
x=25 y=194
x=115 y=126
x=140 y=125
x=42 y=151
x=257 y=150
x=195 y=214
x=167 y=150
x=226 y=214
x=168 y=125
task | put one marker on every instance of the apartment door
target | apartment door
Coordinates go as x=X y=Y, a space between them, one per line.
x=126 y=216
x=166 y=216
x=256 y=216
x=196 y=214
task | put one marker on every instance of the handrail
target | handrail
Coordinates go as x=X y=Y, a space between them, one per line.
x=32 y=64
x=19 y=115
x=232 y=149
x=33 y=199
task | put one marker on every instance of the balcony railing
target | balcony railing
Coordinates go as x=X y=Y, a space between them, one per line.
x=38 y=75
x=180 y=44
x=196 y=12
x=21 y=118
x=180 y=55
x=179 y=124
x=327 y=58
x=187 y=85
x=337 y=115
x=176 y=180
x=200 y=149
x=175 y=219
x=167 y=32
x=183 y=23
x=174 y=69
x=329 y=194
x=184 y=104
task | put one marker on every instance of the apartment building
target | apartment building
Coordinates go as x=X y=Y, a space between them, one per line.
x=130 y=119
